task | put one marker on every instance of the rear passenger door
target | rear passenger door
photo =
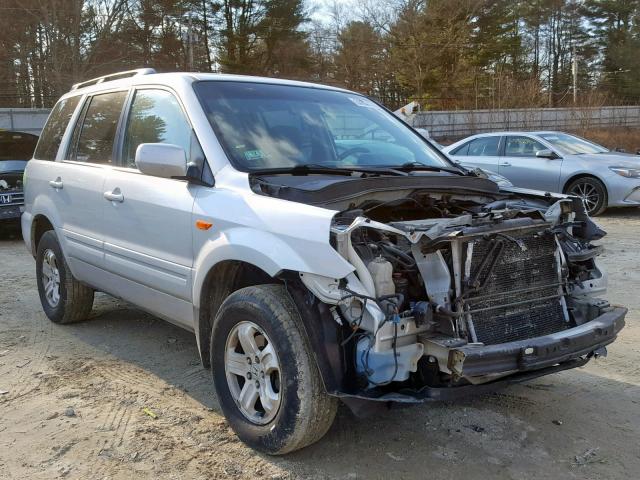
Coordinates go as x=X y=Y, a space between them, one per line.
x=521 y=166
x=77 y=179
x=148 y=228
x=480 y=152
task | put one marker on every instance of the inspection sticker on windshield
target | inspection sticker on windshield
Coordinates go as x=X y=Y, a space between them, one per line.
x=362 y=102
x=253 y=155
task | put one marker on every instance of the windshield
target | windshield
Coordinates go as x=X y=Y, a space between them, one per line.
x=265 y=126
x=17 y=145
x=571 y=145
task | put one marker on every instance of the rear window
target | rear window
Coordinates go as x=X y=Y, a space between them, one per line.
x=96 y=135
x=54 y=129
x=484 y=147
x=479 y=147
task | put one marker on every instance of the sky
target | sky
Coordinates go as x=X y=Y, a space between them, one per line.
x=320 y=8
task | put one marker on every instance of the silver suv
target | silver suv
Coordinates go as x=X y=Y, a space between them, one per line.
x=318 y=247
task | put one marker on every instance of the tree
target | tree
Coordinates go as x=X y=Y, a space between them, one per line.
x=430 y=48
x=359 y=57
x=616 y=26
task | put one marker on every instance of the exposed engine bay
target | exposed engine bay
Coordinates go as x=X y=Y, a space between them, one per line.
x=11 y=196
x=10 y=181
x=457 y=288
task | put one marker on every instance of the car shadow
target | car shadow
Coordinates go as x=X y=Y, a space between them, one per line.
x=160 y=348
x=620 y=212
x=534 y=428
x=10 y=232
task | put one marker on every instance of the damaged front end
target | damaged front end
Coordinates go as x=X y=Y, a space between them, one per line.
x=454 y=293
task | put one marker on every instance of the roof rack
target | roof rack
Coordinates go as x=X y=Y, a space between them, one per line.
x=114 y=76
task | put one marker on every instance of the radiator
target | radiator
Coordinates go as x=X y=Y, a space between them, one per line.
x=511 y=289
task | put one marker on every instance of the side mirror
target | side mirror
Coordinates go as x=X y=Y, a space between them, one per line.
x=161 y=160
x=548 y=154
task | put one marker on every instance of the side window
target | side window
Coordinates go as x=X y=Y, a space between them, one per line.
x=54 y=129
x=95 y=136
x=522 y=147
x=484 y=147
x=156 y=117
x=462 y=150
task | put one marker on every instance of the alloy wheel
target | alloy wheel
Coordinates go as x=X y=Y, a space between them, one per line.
x=51 y=278
x=589 y=195
x=253 y=370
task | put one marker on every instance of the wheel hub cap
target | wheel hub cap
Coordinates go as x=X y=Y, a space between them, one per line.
x=51 y=278
x=252 y=369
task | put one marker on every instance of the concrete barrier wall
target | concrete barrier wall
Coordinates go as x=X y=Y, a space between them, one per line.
x=461 y=123
x=28 y=120
x=440 y=124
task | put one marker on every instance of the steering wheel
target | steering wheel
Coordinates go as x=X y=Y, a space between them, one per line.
x=351 y=151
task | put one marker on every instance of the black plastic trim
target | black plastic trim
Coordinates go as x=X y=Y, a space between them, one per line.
x=540 y=352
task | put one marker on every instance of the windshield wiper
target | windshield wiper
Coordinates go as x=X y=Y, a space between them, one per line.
x=311 y=168
x=302 y=170
x=411 y=166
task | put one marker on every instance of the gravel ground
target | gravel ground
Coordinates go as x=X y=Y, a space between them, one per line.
x=72 y=402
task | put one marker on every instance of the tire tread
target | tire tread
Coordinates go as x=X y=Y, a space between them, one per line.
x=78 y=298
x=317 y=409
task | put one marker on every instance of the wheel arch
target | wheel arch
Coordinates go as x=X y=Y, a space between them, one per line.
x=39 y=225
x=220 y=281
x=318 y=325
x=577 y=176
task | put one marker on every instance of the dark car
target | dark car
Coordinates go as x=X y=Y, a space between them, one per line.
x=16 y=149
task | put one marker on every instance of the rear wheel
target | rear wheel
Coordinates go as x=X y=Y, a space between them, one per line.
x=592 y=192
x=265 y=376
x=64 y=299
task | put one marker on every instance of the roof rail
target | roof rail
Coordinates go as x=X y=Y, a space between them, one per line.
x=114 y=76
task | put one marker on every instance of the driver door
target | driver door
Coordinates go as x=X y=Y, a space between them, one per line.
x=148 y=220
x=521 y=166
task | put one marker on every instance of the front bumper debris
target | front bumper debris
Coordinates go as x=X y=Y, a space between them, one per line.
x=540 y=352
x=521 y=361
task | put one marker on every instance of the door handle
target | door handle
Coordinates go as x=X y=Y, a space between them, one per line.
x=114 y=196
x=57 y=183
x=505 y=164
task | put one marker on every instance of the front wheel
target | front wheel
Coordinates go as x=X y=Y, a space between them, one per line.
x=264 y=372
x=592 y=192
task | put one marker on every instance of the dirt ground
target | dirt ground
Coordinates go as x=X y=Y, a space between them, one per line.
x=72 y=400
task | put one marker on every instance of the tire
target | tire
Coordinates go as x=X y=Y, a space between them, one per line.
x=69 y=302
x=303 y=412
x=592 y=191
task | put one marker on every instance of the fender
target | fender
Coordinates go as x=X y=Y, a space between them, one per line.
x=270 y=253
x=42 y=206
x=565 y=181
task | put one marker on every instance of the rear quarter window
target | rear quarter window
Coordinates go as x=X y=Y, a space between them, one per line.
x=54 y=129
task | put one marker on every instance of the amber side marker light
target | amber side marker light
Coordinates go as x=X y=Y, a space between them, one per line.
x=202 y=225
